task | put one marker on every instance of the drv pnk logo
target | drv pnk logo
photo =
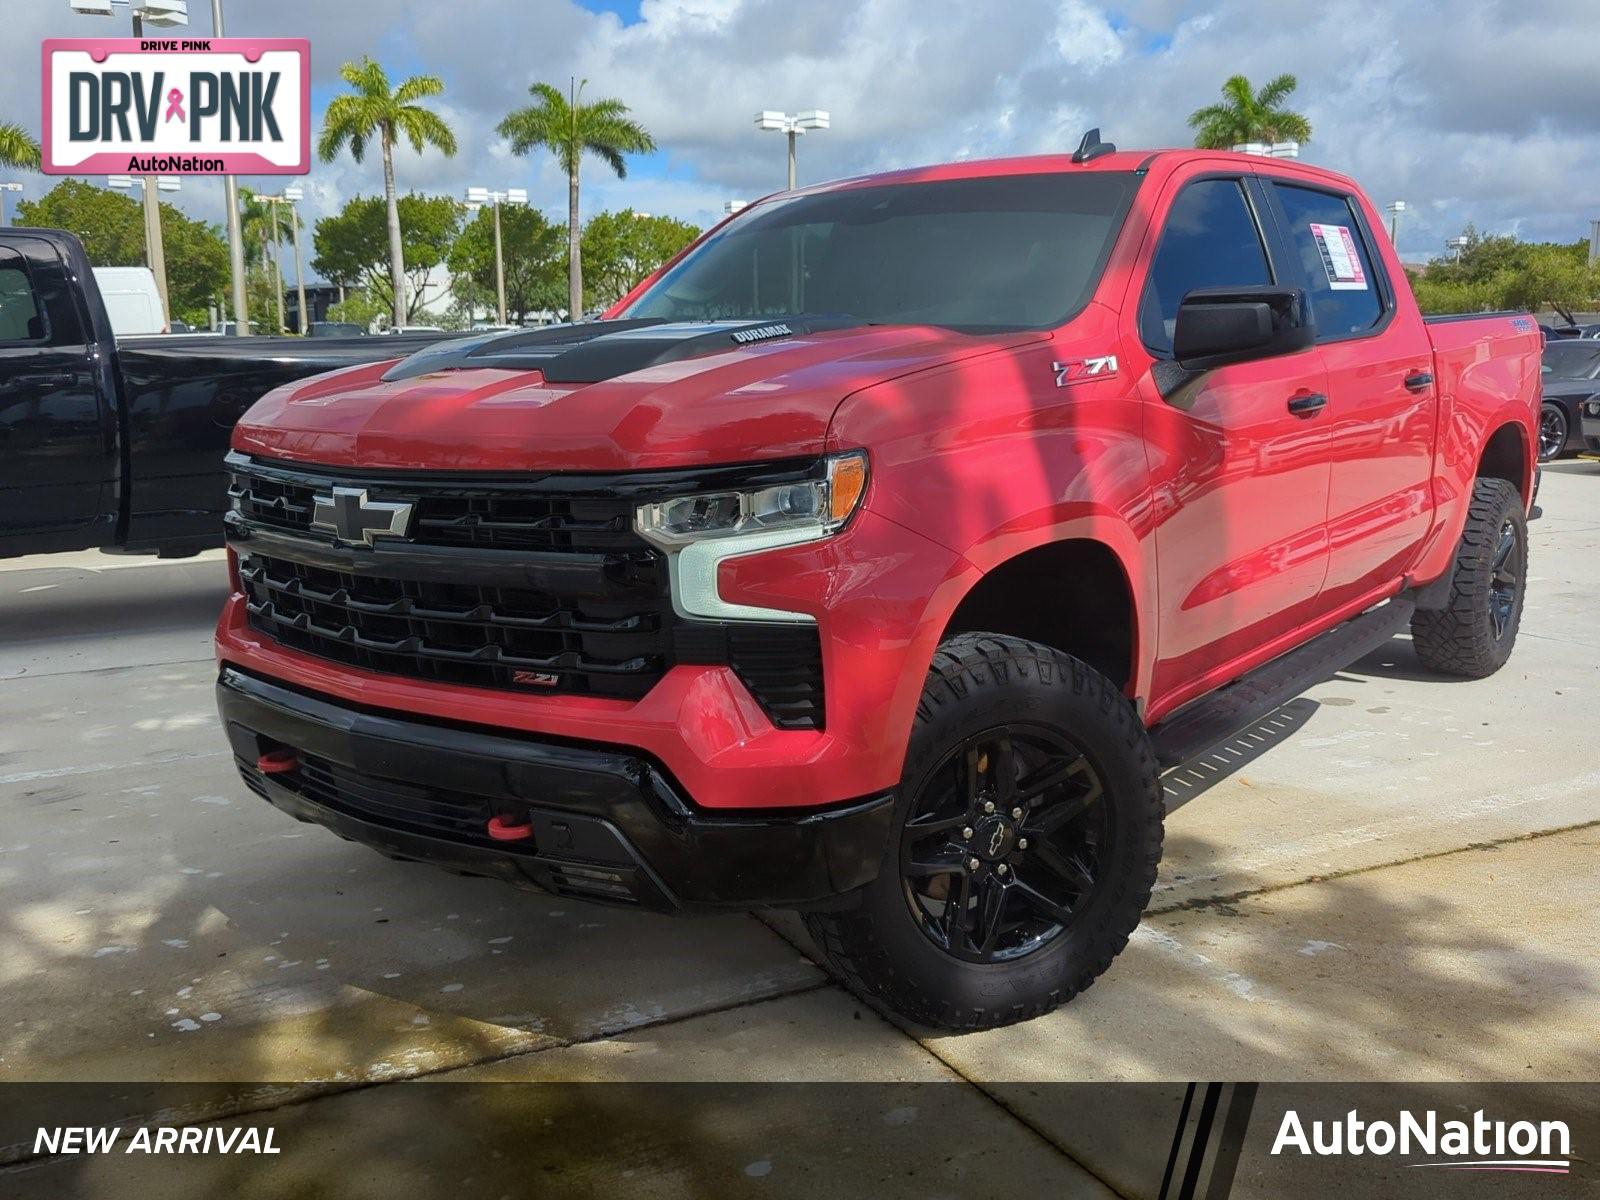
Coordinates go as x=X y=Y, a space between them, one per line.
x=207 y=106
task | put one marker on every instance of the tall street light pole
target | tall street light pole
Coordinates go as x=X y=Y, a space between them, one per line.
x=155 y=254
x=477 y=197
x=794 y=125
x=1394 y=208
x=162 y=14
x=292 y=195
x=155 y=250
x=277 y=260
x=230 y=187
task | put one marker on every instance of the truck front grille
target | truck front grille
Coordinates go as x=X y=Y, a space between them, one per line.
x=536 y=584
x=460 y=632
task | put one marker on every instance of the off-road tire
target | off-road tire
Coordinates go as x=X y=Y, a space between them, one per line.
x=979 y=681
x=1461 y=638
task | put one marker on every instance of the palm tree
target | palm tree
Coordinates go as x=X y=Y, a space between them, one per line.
x=1249 y=116
x=17 y=148
x=372 y=108
x=569 y=128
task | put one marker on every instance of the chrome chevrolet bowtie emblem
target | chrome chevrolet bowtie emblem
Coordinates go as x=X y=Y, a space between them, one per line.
x=351 y=517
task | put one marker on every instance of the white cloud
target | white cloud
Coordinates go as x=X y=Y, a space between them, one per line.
x=1479 y=110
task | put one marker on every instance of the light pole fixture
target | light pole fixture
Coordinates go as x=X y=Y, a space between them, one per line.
x=292 y=195
x=160 y=13
x=155 y=250
x=735 y=206
x=164 y=14
x=1458 y=244
x=793 y=124
x=1394 y=208
x=477 y=197
x=4 y=188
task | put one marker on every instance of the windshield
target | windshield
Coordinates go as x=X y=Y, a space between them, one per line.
x=1571 y=362
x=997 y=253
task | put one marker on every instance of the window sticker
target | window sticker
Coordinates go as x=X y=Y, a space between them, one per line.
x=1339 y=258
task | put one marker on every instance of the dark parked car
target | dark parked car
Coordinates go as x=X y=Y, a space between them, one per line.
x=118 y=445
x=1570 y=379
x=336 y=329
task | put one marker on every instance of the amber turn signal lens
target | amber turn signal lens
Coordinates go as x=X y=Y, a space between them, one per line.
x=847 y=480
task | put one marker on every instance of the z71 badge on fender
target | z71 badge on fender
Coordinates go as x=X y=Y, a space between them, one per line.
x=1075 y=369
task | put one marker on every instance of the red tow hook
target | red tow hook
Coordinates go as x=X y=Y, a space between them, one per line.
x=278 y=762
x=502 y=830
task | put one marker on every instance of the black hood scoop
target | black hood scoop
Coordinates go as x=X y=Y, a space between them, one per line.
x=598 y=350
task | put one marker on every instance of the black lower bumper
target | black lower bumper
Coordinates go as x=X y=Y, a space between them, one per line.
x=604 y=824
x=1591 y=426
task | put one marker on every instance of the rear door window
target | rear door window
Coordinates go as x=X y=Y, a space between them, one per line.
x=1210 y=240
x=20 y=318
x=1337 y=266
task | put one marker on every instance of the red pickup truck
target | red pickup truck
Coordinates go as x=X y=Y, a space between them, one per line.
x=874 y=557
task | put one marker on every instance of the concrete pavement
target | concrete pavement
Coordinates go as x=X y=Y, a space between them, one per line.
x=1393 y=878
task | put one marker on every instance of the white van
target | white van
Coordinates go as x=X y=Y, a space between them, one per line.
x=131 y=300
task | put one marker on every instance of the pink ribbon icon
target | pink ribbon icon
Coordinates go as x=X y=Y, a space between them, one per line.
x=175 y=105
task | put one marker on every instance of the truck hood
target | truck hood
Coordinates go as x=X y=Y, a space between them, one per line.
x=578 y=398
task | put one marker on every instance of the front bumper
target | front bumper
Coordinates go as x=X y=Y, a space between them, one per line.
x=1591 y=426
x=606 y=823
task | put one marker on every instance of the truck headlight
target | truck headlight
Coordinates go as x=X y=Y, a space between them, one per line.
x=699 y=532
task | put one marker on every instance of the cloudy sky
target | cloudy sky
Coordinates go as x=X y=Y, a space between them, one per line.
x=1470 y=110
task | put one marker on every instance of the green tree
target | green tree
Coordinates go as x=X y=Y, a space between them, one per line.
x=111 y=227
x=1245 y=115
x=17 y=148
x=534 y=257
x=353 y=244
x=1500 y=272
x=621 y=248
x=359 y=308
x=570 y=128
x=374 y=109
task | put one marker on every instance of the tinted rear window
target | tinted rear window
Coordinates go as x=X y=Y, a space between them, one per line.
x=1564 y=361
x=1334 y=259
x=20 y=320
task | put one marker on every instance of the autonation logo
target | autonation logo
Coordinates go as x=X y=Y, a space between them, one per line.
x=1480 y=1144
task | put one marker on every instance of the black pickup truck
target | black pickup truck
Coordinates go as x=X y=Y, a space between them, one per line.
x=119 y=446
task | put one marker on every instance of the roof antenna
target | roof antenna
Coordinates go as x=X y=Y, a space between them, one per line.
x=1092 y=147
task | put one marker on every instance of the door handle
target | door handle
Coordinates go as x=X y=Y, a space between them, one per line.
x=1308 y=405
x=1419 y=381
x=46 y=378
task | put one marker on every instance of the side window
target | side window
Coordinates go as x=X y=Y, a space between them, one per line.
x=1334 y=259
x=20 y=320
x=1210 y=240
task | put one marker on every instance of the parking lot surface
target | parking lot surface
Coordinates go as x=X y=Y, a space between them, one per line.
x=1392 y=878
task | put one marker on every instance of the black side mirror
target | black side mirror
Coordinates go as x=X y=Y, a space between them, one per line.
x=1218 y=326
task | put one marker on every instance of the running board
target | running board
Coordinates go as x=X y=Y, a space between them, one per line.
x=1240 y=704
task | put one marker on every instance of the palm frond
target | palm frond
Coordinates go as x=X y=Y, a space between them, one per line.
x=424 y=128
x=17 y=148
x=418 y=87
x=1276 y=91
x=610 y=156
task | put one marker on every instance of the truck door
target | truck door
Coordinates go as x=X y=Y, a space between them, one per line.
x=1240 y=479
x=58 y=439
x=1381 y=400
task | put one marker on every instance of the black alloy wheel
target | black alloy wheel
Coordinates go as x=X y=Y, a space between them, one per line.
x=1005 y=844
x=1552 y=431
x=1505 y=578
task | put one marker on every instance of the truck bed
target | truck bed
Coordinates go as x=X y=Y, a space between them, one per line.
x=183 y=395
